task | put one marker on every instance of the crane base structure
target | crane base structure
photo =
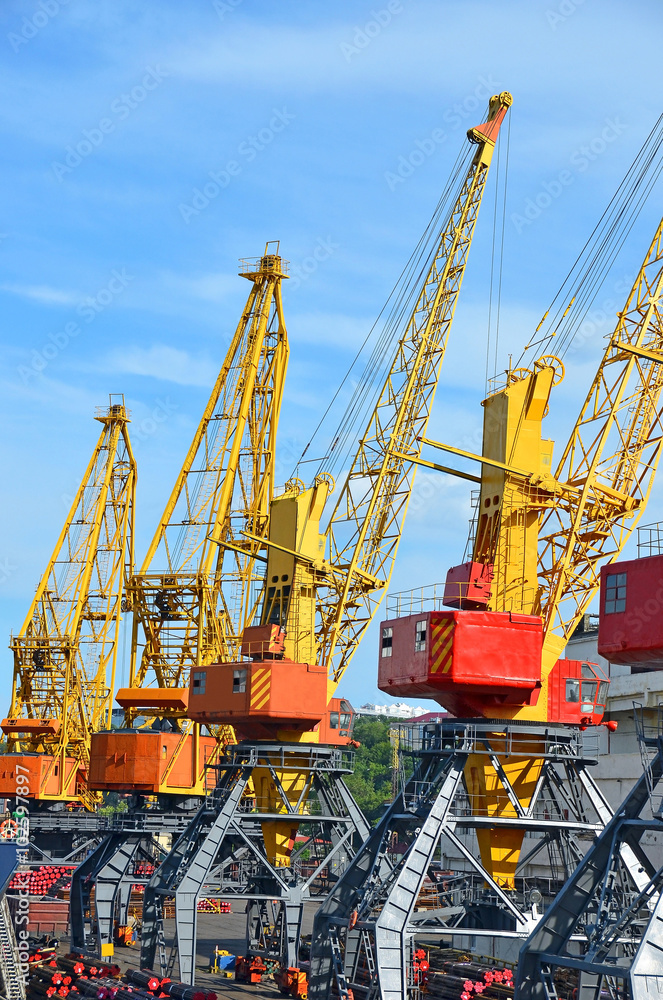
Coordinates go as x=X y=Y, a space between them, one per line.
x=364 y=933
x=222 y=852
x=101 y=885
x=600 y=927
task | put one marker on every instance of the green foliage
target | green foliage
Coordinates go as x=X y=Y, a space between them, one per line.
x=113 y=804
x=371 y=782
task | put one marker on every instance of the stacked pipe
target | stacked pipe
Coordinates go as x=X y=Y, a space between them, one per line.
x=213 y=906
x=148 y=980
x=92 y=967
x=466 y=980
x=90 y=979
x=39 y=880
x=99 y=989
x=40 y=952
x=180 y=991
x=49 y=981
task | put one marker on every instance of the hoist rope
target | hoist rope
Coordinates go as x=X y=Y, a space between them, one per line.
x=589 y=271
x=397 y=312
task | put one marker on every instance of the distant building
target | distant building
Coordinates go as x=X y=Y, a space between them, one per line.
x=399 y=710
x=439 y=716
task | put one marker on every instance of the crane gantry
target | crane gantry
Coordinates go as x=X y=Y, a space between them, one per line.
x=512 y=759
x=66 y=651
x=541 y=537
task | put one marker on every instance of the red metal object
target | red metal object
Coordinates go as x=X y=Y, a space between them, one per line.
x=138 y=760
x=631 y=613
x=467 y=586
x=577 y=693
x=262 y=642
x=465 y=660
x=249 y=970
x=291 y=981
x=259 y=698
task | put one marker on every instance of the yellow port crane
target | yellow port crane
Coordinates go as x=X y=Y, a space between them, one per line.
x=321 y=591
x=540 y=540
x=542 y=536
x=322 y=588
x=66 y=651
x=512 y=759
x=198 y=584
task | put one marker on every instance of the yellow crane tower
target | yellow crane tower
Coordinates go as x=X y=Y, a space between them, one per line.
x=322 y=589
x=198 y=584
x=512 y=759
x=66 y=651
x=541 y=538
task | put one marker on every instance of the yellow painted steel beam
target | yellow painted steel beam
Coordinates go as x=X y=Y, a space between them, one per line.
x=438 y=468
x=477 y=458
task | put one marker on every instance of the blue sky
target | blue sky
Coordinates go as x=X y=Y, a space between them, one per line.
x=317 y=106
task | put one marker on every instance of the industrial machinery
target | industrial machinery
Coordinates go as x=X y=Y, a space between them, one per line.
x=66 y=651
x=600 y=929
x=322 y=588
x=192 y=609
x=514 y=762
x=189 y=612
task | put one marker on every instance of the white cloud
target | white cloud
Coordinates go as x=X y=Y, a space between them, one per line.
x=165 y=363
x=44 y=294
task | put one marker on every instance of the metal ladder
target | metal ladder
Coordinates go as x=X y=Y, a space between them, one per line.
x=548 y=983
x=13 y=983
x=337 y=962
x=161 y=946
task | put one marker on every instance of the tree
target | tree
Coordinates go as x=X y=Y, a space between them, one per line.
x=371 y=782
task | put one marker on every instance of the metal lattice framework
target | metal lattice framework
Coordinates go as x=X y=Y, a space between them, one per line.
x=194 y=609
x=601 y=927
x=364 y=933
x=222 y=852
x=365 y=527
x=608 y=466
x=65 y=653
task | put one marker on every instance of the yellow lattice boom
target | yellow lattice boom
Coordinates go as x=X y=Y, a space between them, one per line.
x=365 y=527
x=65 y=653
x=608 y=465
x=193 y=608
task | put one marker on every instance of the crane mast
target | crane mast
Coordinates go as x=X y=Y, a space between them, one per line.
x=512 y=759
x=542 y=537
x=66 y=651
x=322 y=588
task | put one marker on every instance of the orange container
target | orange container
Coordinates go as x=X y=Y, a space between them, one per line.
x=30 y=772
x=259 y=698
x=149 y=762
